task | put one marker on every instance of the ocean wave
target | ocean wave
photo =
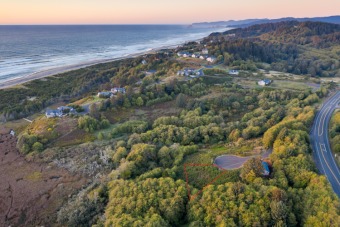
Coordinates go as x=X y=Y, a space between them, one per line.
x=71 y=54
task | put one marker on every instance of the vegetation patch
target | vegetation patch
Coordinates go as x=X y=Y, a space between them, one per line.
x=334 y=134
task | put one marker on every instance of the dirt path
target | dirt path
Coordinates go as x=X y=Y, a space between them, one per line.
x=31 y=193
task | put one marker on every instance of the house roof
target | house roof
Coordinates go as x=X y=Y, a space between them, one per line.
x=53 y=112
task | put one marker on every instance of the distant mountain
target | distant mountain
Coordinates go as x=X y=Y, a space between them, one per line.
x=249 y=22
x=295 y=30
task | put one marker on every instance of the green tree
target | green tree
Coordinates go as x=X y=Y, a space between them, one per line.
x=252 y=167
x=37 y=146
x=100 y=136
x=181 y=100
x=139 y=101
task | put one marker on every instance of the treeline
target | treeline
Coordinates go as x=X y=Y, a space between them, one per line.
x=334 y=133
x=294 y=47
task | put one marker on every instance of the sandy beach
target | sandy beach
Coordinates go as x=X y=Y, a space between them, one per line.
x=63 y=69
x=67 y=68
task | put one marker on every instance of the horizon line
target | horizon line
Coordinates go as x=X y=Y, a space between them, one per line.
x=187 y=24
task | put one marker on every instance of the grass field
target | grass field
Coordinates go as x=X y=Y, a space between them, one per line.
x=200 y=176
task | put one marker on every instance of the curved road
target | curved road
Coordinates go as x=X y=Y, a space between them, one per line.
x=322 y=153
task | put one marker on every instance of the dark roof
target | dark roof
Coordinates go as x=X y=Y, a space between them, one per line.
x=48 y=112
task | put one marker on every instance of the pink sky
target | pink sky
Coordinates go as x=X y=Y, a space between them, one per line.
x=157 y=11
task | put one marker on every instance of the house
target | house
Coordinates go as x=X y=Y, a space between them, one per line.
x=203 y=57
x=199 y=72
x=144 y=62
x=11 y=132
x=150 y=72
x=233 y=72
x=53 y=113
x=186 y=72
x=195 y=55
x=211 y=59
x=66 y=109
x=183 y=54
x=116 y=90
x=186 y=55
x=105 y=94
x=266 y=170
x=205 y=51
x=190 y=72
x=264 y=82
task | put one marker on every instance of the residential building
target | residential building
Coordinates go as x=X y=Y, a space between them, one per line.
x=264 y=82
x=211 y=59
x=116 y=90
x=66 y=109
x=204 y=57
x=183 y=54
x=105 y=94
x=190 y=72
x=195 y=55
x=205 y=51
x=53 y=113
x=233 y=72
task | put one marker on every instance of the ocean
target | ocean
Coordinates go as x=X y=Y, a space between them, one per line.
x=25 y=50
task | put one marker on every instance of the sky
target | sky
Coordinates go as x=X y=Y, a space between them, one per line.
x=157 y=11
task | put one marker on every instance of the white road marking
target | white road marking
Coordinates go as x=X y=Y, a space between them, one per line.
x=323 y=147
x=322 y=121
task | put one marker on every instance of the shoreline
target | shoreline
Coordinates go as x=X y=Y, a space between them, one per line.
x=63 y=69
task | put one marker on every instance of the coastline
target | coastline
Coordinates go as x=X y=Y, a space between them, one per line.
x=68 y=68
x=63 y=69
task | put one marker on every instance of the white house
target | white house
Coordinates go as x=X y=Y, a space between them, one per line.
x=233 y=72
x=183 y=54
x=53 y=113
x=211 y=59
x=203 y=57
x=195 y=55
x=264 y=82
x=205 y=51
x=116 y=90
x=144 y=62
x=186 y=55
x=190 y=72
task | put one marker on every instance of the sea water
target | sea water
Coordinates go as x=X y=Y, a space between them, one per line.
x=28 y=49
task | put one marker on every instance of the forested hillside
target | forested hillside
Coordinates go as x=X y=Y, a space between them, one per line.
x=309 y=48
x=149 y=152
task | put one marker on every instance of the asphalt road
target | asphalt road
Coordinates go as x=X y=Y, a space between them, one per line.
x=322 y=153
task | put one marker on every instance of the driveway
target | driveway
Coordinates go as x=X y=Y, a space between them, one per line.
x=230 y=162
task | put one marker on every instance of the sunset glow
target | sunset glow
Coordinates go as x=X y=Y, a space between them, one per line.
x=155 y=11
